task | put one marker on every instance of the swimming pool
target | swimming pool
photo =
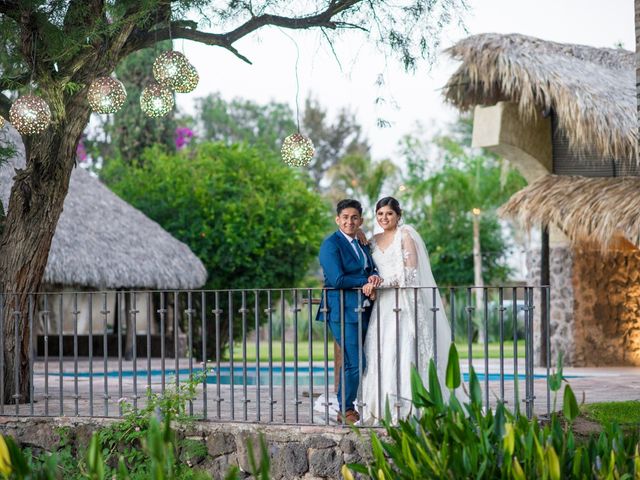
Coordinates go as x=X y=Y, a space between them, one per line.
x=275 y=374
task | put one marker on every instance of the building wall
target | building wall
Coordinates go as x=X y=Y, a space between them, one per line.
x=562 y=314
x=607 y=307
x=595 y=306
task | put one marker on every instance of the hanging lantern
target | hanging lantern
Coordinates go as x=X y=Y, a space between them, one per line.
x=2 y=121
x=169 y=68
x=106 y=95
x=156 y=100
x=297 y=150
x=30 y=115
x=188 y=79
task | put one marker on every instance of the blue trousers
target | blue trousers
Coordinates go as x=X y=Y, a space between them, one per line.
x=350 y=360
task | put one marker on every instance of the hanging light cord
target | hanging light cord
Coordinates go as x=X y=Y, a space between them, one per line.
x=297 y=78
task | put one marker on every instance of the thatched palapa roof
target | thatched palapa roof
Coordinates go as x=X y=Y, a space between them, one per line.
x=103 y=242
x=592 y=209
x=592 y=90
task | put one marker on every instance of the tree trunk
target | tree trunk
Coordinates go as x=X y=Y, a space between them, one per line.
x=35 y=205
x=477 y=273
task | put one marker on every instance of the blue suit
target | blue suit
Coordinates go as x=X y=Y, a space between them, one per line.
x=344 y=272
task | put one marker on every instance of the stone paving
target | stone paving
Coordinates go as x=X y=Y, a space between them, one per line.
x=81 y=395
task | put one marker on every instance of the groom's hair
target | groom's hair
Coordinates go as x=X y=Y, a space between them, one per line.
x=348 y=203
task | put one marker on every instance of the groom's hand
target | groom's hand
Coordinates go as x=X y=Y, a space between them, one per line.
x=375 y=280
x=368 y=289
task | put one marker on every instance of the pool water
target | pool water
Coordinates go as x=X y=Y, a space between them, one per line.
x=276 y=373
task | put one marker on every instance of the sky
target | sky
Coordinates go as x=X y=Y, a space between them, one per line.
x=410 y=98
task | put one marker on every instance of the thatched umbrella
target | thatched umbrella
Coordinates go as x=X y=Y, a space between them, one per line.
x=585 y=209
x=102 y=242
x=591 y=90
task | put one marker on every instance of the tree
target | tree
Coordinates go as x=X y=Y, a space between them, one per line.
x=333 y=142
x=241 y=120
x=244 y=121
x=128 y=133
x=441 y=194
x=360 y=177
x=252 y=220
x=59 y=47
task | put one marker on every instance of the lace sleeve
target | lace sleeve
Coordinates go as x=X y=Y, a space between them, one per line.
x=410 y=260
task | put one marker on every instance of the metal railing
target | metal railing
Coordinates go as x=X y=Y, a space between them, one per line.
x=258 y=355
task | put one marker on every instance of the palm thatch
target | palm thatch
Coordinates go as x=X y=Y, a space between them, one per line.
x=592 y=90
x=585 y=209
x=103 y=242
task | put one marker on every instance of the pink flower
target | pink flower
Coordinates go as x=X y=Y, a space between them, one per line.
x=81 y=151
x=182 y=137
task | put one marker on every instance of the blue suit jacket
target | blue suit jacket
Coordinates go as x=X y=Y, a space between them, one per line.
x=343 y=270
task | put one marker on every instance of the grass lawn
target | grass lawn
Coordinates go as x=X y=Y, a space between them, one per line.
x=318 y=351
x=624 y=413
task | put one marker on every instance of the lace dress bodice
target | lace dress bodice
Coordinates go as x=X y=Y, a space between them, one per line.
x=397 y=264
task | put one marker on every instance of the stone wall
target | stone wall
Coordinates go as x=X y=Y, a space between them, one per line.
x=309 y=453
x=607 y=307
x=562 y=315
x=595 y=305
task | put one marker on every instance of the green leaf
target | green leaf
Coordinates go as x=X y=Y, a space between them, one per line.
x=95 y=463
x=555 y=379
x=516 y=470
x=434 y=385
x=509 y=439
x=570 y=405
x=453 y=377
x=474 y=387
x=553 y=463
x=419 y=395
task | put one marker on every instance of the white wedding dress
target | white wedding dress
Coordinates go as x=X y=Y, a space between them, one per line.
x=397 y=338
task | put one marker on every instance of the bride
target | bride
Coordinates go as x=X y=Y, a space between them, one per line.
x=401 y=329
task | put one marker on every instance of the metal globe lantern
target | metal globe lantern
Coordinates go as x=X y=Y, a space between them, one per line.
x=30 y=115
x=297 y=150
x=169 y=68
x=156 y=100
x=106 y=95
x=188 y=79
x=2 y=121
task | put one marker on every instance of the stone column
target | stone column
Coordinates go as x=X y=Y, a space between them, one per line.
x=562 y=316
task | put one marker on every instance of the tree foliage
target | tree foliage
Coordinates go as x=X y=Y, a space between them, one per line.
x=251 y=220
x=242 y=120
x=443 y=184
x=128 y=133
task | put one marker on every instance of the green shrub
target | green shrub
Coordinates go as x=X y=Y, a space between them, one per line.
x=453 y=439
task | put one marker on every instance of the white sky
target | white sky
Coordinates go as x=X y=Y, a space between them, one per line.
x=410 y=98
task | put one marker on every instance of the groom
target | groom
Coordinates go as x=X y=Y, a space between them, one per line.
x=347 y=266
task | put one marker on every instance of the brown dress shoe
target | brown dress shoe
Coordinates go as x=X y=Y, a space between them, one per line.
x=351 y=417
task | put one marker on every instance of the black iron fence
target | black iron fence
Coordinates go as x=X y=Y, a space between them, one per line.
x=262 y=355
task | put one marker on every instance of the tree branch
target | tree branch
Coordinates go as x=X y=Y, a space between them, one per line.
x=140 y=40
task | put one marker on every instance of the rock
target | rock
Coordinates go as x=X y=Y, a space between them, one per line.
x=294 y=459
x=220 y=443
x=219 y=467
x=325 y=463
x=319 y=441
x=243 y=439
x=347 y=445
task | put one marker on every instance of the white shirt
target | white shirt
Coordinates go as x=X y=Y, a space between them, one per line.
x=356 y=247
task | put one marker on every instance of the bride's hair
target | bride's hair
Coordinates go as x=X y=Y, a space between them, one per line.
x=390 y=202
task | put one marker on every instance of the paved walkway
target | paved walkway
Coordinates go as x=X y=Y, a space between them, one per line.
x=86 y=394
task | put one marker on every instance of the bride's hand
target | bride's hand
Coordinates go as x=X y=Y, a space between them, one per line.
x=362 y=238
x=368 y=289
